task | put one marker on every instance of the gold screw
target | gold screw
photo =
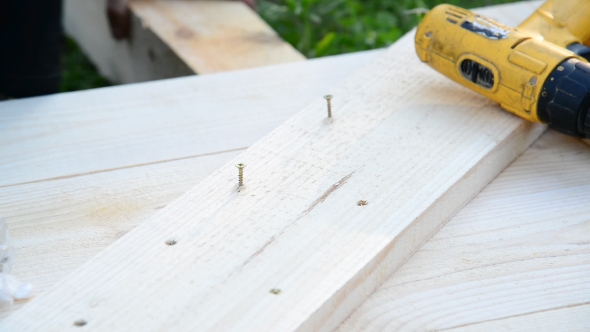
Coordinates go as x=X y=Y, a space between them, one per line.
x=275 y=291
x=329 y=101
x=241 y=167
x=362 y=203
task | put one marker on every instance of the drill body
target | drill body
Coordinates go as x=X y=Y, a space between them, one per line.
x=536 y=71
x=563 y=23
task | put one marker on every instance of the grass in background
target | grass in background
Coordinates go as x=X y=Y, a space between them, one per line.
x=315 y=27
x=327 y=27
x=78 y=73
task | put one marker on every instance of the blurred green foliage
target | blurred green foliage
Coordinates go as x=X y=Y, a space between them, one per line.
x=326 y=27
x=78 y=73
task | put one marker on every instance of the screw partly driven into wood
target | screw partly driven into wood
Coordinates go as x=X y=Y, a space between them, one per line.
x=329 y=100
x=240 y=167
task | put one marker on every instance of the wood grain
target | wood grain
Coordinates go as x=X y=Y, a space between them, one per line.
x=84 y=132
x=58 y=224
x=175 y=38
x=214 y=36
x=515 y=258
x=414 y=145
x=570 y=318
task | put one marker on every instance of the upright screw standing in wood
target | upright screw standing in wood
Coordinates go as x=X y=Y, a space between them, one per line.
x=329 y=100
x=241 y=167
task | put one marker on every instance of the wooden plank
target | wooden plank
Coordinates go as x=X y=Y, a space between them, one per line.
x=90 y=131
x=214 y=36
x=413 y=144
x=516 y=256
x=574 y=318
x=145 y=57
x=59 y=224
x=56 y=226
x=175 y=38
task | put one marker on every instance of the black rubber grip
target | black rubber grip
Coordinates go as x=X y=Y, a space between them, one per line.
x=581 y=50
x=565 y=99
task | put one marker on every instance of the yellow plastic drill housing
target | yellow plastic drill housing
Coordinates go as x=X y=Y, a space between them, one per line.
x=504 y=64
x=561 y=22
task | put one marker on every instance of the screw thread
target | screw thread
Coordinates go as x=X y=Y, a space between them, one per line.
x=240 y=174
x=329 y=102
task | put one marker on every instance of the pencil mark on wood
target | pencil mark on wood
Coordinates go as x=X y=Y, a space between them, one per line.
x=259 y=251
x=328 y=192
x=322 y=198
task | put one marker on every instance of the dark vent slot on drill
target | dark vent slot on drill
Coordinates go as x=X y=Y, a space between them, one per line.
x=477 y=73
x=455 y=15
x=451 y=20
x=456 y=11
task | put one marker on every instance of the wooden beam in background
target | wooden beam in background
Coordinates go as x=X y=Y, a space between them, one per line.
x=143 y=58
x=176 y=38
x=413 y=144
x=214 y=36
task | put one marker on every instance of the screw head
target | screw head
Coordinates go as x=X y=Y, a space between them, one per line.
x=241 y=166
x=328 y=97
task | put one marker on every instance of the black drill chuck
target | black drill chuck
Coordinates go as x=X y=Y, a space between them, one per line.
x=564 y=103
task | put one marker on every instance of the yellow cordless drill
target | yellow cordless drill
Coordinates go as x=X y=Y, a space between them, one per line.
x=538 y=71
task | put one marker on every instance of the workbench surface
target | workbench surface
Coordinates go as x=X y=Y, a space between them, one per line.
x=82 y=169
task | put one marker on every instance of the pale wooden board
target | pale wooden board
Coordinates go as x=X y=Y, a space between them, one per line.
x=145 y=57
x=59 y=224
x=516 y=256
x=56 y=226
x=214 y=36
x=413 y=144
x=572 y=318
x=84 y=132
